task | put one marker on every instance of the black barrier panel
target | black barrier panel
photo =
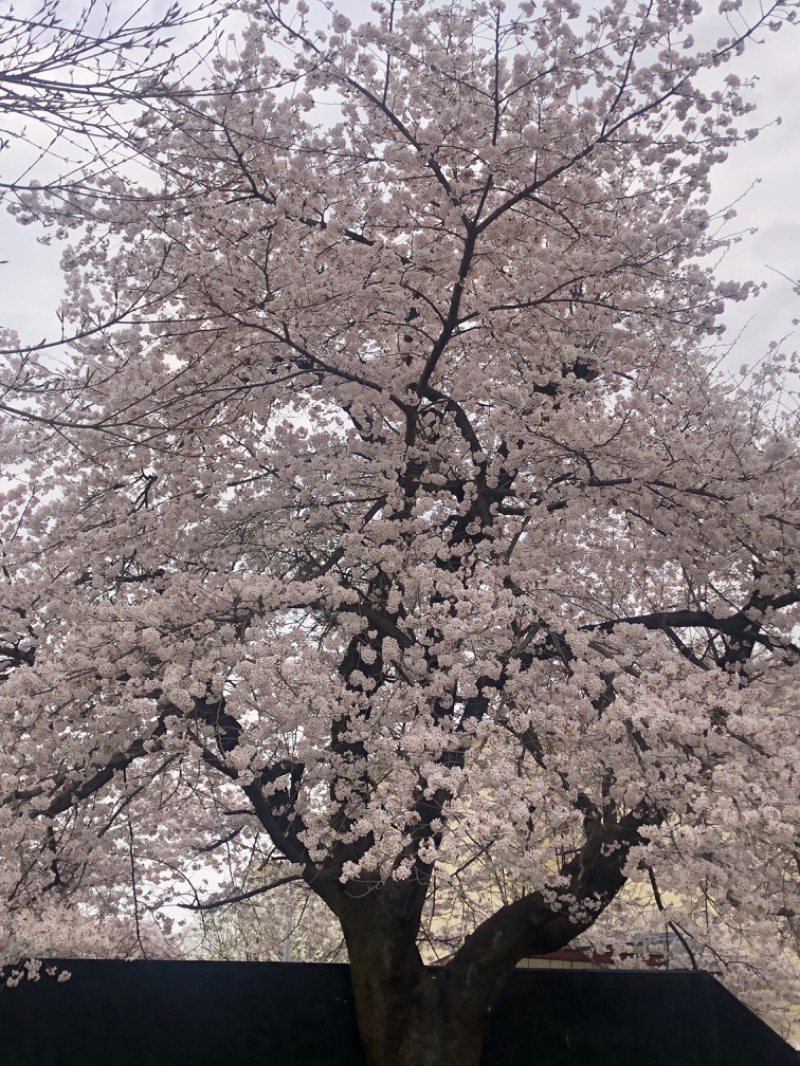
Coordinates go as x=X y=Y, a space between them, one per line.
x=294 y=1014
x=627 y=1018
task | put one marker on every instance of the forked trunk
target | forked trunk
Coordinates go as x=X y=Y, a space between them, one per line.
x=424 y=1023
x=409 y=1015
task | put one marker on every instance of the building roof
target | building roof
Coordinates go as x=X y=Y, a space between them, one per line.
x=113 y=1013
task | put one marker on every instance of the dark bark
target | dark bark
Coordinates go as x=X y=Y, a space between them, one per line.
x=409 y=1015
x=412 y=1015
x=424 y=1025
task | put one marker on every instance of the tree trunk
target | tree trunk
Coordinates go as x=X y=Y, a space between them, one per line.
x=409 y=1015
x=423 y=1024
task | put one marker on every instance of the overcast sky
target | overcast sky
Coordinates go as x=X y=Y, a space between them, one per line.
x=30 y=284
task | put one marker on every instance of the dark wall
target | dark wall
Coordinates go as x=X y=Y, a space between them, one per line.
x=287 y=1014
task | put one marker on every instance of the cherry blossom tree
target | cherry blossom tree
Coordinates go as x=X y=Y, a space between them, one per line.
x=402 y=533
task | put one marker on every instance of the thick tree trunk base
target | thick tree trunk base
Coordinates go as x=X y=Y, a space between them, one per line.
x=414 y=1033
x=417 y=1020
x=408 y=1014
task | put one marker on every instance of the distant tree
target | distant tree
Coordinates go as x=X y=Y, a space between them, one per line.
x=399 y=527
x=268 y=923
